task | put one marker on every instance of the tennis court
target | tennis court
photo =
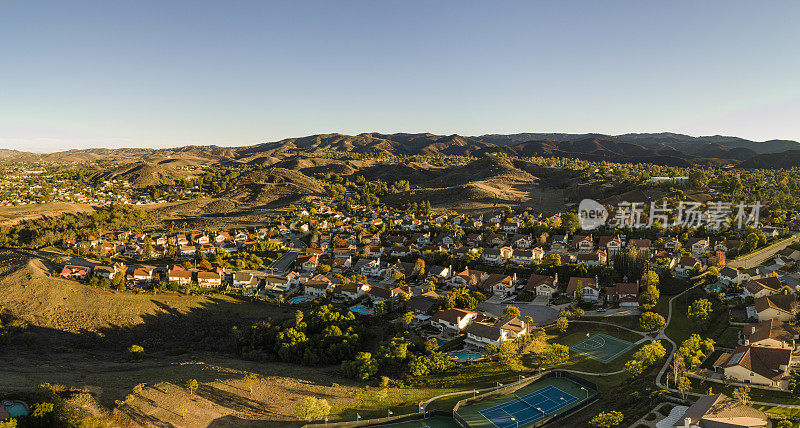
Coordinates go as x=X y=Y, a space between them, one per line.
x=532 y=405
x=528 y=408
x=602 y=347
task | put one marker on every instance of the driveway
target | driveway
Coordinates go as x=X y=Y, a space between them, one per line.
x=541 y=314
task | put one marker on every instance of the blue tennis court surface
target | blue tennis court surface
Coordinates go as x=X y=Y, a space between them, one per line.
x=528 y=408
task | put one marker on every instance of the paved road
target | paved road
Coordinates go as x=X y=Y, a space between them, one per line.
x=540 y=314
x=756 y=259
x=285 y=261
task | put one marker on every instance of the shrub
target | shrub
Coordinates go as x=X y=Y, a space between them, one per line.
x=134 y=353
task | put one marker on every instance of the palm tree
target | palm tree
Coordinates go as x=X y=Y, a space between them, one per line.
x=280 y=299
x=529 y=321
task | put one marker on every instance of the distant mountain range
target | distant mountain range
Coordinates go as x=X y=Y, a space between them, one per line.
x=658 y=148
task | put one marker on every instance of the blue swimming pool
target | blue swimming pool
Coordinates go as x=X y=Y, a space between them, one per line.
x=465 y=356
x=15 y=408
x=362 y=310
x=300 y=299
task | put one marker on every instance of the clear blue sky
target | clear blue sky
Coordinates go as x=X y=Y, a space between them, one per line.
x=108 y=73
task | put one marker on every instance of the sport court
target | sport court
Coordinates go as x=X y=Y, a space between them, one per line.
x=602 y=347
x=528 y=408
x=554 y=395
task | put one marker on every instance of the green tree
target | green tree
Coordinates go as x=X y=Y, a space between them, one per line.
x=570 y=223
x=362 y=367
x=742 y=395
x=634 y=367
x=554 y=354
x=651 y=321
x=280 y=299
x=700 y=313
x=191 y=385
x=511 y=311
x=649 y=297
x=650 y=353
x=607 y=419
x=562 y=323
x=134 y=353
x=312 y=409
x=407 y=317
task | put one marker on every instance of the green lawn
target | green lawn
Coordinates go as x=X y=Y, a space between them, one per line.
x=729 y=338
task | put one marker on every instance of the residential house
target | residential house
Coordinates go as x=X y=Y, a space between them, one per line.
x=497 y=255
x=521 y=241
x=685 y=265
x=771 y=333
x=440 y=273
x=317 y=286
x=424 y=303
x=583 y=244
x=729 y=275
x=698 y=246
x=672 y=244
x=782 y=307
x=624 y=294
x=587 y=288
x=558 y=243
x=469 y=277
x=757 y=365
x=480 y=335
x=244 y=279
x=611 y=244
x=594 y=258
x=368 y=267
x=761 y=287
x=75 y=272
x=542 y=285
x=453 y=320
x=179 y=275
x=501 y=284
x=721 y=411
x=209 y=279
x=351 y=290
x=641 y=245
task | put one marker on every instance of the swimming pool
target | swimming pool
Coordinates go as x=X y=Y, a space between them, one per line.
x=465 y=356
x=300 y=299
x=439 y=342
x=362 y=310
x=15 y=408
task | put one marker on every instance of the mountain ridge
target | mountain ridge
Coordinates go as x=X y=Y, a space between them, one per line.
x=665 y=148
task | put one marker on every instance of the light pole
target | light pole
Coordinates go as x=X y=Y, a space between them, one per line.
x=515 y=421
x=586 y=391
x=388 y=413
x=520 y=378
x=498 y=386
x=326 y=421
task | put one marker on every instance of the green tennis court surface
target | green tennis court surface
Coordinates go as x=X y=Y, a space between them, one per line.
x=602 y=347
x=432 y=422
x=532 y=404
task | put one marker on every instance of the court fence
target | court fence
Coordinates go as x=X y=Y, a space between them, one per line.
x=510 y=389
x=379 y=421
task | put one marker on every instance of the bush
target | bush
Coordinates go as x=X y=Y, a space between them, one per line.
x=650 y=417
x=134 y=353
x=665 y=409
